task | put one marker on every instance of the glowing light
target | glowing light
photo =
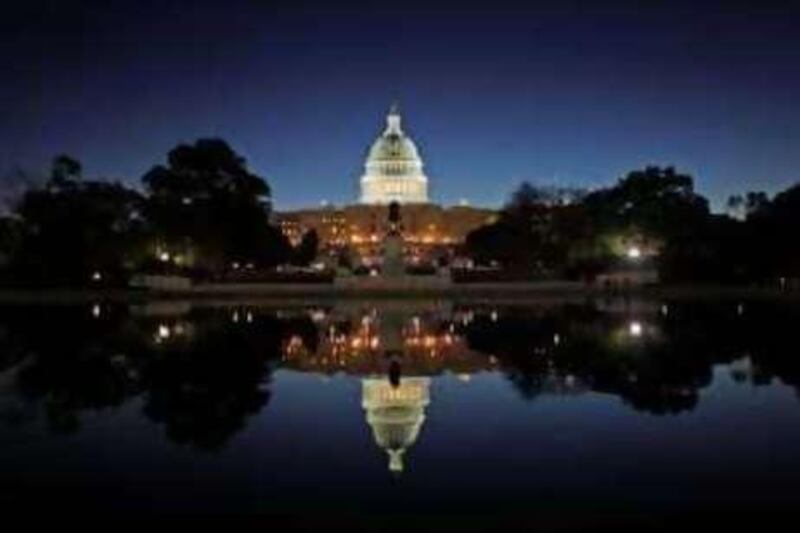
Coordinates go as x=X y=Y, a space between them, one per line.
x=96 y=276
x=163 y=332
x=96 y=310
x=634 y=252
x=635 y=329
x=164 y=257
x=556 y=339
x=294 y=345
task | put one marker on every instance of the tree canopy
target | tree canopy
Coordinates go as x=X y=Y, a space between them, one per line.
x=307 y=249
x=71 y=228
x=656 y=208
x=204 y=207
x=206 y=199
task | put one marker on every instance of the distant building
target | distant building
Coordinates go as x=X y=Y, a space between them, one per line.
x=393 y=173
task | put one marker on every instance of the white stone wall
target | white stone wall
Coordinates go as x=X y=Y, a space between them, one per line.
x=383 y=190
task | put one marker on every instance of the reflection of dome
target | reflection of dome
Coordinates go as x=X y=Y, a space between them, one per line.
x=395 y=414
x=393 y=171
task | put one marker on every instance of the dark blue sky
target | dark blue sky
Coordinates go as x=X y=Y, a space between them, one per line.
x=566 y=93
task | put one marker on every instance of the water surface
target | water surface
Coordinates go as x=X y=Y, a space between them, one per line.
x=611 y=406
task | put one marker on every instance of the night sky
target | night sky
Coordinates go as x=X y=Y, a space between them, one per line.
x=556 y=93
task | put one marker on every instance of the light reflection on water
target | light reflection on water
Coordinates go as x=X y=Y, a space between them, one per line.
x=427 y=404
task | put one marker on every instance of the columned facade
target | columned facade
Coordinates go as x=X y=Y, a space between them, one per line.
x=393 y=172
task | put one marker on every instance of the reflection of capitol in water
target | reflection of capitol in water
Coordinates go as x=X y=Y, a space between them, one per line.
x=364 y=342
x=394 y=349
x=395 y=414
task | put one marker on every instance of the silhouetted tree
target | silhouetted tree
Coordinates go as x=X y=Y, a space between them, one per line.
x=500 y=242
x=305 y=252
x=771 y=230
x=66 y=170
x=537 y=233
x=532 y=234
x=743 y=206
x=71 y=228
x=207 y=199
x=658 y=201
x=657 y=205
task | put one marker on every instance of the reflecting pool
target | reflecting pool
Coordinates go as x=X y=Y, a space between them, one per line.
x=567 y=407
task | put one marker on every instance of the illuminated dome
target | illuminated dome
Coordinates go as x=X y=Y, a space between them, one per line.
x=395 y=414
x=393 y=171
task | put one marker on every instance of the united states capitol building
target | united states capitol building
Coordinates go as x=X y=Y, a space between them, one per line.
x=393 y=172
x=394 y=169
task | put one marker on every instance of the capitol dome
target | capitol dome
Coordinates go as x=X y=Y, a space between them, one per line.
x=393 y=170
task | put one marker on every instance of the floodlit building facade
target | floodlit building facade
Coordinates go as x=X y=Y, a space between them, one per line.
x=393 y=172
